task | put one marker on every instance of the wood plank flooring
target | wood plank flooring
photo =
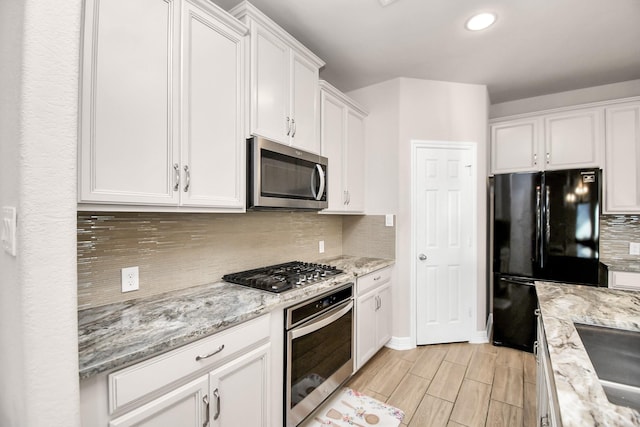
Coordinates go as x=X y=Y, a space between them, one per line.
x=453 y=385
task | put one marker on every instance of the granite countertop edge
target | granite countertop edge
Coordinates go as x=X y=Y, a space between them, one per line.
x=120 y=334
x=581 y=398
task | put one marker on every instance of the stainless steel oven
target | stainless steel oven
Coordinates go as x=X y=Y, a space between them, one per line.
x=319 y=351
x=283 y=177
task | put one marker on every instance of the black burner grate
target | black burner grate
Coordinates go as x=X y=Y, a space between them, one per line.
x=282 y=277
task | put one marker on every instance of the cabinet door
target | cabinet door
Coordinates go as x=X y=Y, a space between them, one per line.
x=383 y=316
x=269 y=85
x=212 y=93
x=239 y=391
x=354 y=167
x=304 y=104
x=332 y=136
x=130 y=78
x=573 y=139
x=184 y=406
x=514 y=146
x=366 y=328
x=622 y=171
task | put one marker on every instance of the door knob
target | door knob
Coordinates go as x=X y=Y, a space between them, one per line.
x=422 y=257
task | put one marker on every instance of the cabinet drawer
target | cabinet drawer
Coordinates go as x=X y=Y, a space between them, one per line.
x=624 y=280
x=373 y=280
x=134 y=382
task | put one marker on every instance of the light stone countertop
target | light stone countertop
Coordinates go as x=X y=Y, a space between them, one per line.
x=117 y=335
x=581 y=399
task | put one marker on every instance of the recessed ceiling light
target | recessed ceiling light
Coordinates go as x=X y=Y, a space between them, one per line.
x=480 y=21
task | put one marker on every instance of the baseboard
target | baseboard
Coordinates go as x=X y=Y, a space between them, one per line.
x=400 y=343
x=482 y=337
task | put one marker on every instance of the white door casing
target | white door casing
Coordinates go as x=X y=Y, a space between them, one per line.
x=444 y=228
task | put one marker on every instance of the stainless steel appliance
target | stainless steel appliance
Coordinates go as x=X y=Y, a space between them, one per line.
x=282 y=277
x=545 y=227
x=283 y=177
x=319 y=351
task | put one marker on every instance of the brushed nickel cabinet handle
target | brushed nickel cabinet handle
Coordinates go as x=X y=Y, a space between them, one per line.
x=205 y=399
x=216 y=394
x=188 y=177
x=176 y=169
x=213 y=353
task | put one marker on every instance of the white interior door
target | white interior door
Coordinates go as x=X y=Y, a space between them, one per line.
x=444 y=230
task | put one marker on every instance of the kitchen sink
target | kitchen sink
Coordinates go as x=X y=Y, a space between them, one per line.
x=615 y=355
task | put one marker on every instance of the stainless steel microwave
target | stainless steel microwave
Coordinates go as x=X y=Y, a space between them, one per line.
x=283 y=177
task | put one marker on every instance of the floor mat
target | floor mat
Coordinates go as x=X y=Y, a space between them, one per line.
x=351 y=408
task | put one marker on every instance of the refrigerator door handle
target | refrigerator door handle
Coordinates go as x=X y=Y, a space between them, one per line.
x=538 y=251
x=547 y=212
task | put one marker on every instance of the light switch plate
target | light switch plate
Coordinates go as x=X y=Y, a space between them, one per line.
x=634 y=248
x=388 y=220
x=9 y=225
x=321 y=246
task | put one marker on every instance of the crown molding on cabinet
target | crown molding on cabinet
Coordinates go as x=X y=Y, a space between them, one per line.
x=246 y=9
x=566 y=108
x=328 y=87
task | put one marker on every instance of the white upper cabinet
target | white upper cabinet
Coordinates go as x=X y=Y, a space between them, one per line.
x=622 y=172
x=130 y=82
x=283 y=83
x=212 y=112
x=573 y=139
x=564 y=140
x=162 y=106
x=342 y=142
x=514 y=146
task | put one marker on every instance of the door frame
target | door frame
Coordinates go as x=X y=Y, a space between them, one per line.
x=472 y=147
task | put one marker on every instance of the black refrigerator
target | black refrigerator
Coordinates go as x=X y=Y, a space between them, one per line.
x=545 y=227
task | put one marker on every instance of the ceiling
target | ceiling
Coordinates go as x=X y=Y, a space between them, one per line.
x=536 y=47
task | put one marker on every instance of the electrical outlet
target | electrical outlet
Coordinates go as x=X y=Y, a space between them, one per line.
x=130 y=281
x=321 y=246
x=634 y=248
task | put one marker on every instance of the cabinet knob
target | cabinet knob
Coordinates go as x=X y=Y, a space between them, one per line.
x=422 y=257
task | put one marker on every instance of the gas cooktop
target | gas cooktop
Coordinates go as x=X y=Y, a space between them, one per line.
x=282 y=277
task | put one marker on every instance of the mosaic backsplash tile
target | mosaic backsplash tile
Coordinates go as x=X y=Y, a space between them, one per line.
x=175 y=250
x=367 y=236
x=616 y=232
x=179 y=250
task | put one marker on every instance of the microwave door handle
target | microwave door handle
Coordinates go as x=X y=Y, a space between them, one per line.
x=317 y=195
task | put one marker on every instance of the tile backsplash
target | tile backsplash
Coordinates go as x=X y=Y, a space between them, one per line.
x=180 y=250
x=616 y=232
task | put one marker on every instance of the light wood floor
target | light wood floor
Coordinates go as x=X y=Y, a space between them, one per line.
x=454 y=385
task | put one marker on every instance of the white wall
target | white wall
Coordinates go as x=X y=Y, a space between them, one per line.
x=39 y=51
x=426 y=110
x=564 y=99
x=12 y=384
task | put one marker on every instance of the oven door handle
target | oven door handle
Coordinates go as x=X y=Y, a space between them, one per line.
x=321 y=321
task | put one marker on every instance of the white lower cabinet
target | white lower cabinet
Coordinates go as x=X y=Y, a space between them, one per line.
x=547 y=401
x=221 y=380
x=185 y=406
x=373 y=314
x=624 y=280
x=238 y=391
